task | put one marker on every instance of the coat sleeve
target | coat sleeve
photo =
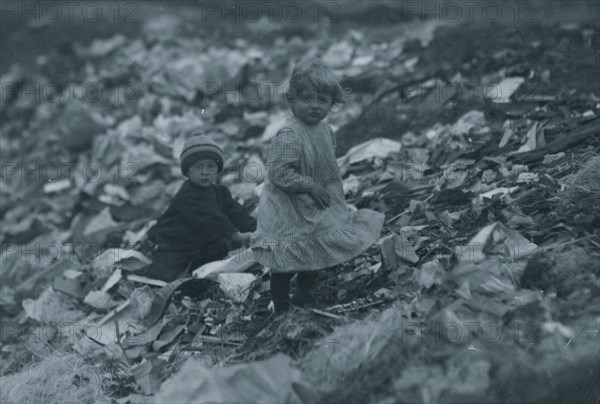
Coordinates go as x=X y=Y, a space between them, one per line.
x=284 y=163
x=237 y=214
x=210 y=222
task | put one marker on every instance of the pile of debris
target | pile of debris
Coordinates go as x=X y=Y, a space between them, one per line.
x=474 y=242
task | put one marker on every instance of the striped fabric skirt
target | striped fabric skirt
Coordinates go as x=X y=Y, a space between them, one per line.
x=294 y=234
x=337 y=244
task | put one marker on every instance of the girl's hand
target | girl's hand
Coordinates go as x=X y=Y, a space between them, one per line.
x=319 y=195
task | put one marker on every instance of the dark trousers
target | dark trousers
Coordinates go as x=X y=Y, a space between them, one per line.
x=173 y=262
x=280 y=287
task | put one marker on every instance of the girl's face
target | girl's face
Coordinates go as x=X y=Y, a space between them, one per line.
x=311 y=106
x=203 y=173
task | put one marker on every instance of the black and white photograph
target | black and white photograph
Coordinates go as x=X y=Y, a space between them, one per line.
x=300 y=201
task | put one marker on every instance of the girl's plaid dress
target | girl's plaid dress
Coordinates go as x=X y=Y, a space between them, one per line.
x=293 y=234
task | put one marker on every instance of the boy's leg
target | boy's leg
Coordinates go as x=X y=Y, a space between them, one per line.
x=280 y=291
x=167 y=265
x=207 y=252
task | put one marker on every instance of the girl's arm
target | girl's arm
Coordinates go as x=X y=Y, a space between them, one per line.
x=284 y=163
x=333 y=139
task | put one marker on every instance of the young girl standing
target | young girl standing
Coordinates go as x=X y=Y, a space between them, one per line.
x=304 y=224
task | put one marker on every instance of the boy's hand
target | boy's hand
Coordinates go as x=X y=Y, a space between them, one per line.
x=319 y=195
x=242 y=238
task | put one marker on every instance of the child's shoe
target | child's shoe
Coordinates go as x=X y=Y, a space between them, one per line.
x=302 y=297
x=281 y=306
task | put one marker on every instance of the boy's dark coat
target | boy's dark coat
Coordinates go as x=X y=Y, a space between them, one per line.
x=196 y=228
x=197 y=216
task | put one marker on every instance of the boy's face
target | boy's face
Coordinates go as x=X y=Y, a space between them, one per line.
x=203 y=172
x=311 y=106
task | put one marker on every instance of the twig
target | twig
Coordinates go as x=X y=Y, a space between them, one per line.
x=397 y=216
x=326 y=314
x=117 y=332
x=551 y=246
x=114 y=311
x=148 y=281
x=354 y=306
x=396 y=87
x=215 y=340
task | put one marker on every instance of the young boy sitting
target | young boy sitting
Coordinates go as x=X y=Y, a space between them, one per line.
x=201 y=221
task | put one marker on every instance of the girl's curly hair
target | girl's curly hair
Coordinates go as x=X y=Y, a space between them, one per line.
x=313 y=71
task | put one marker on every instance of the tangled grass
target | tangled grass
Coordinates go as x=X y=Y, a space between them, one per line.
x=346 y=354
x=58 y=378
x=580 y=203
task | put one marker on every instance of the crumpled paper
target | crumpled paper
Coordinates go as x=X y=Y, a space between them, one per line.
x=496 y=241
x=272 y=380
x=236 y=286
x=375 y=148
x=99 y=299
x=52 y=307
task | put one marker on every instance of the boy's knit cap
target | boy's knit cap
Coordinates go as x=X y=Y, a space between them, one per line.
x=197 y=148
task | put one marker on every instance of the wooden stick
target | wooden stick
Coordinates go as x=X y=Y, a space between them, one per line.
x=559 y=244
x=114 y=311
x=325 y=314
x=564 y=142
x=354 y=306
x=148 y=281
x=391 y=219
